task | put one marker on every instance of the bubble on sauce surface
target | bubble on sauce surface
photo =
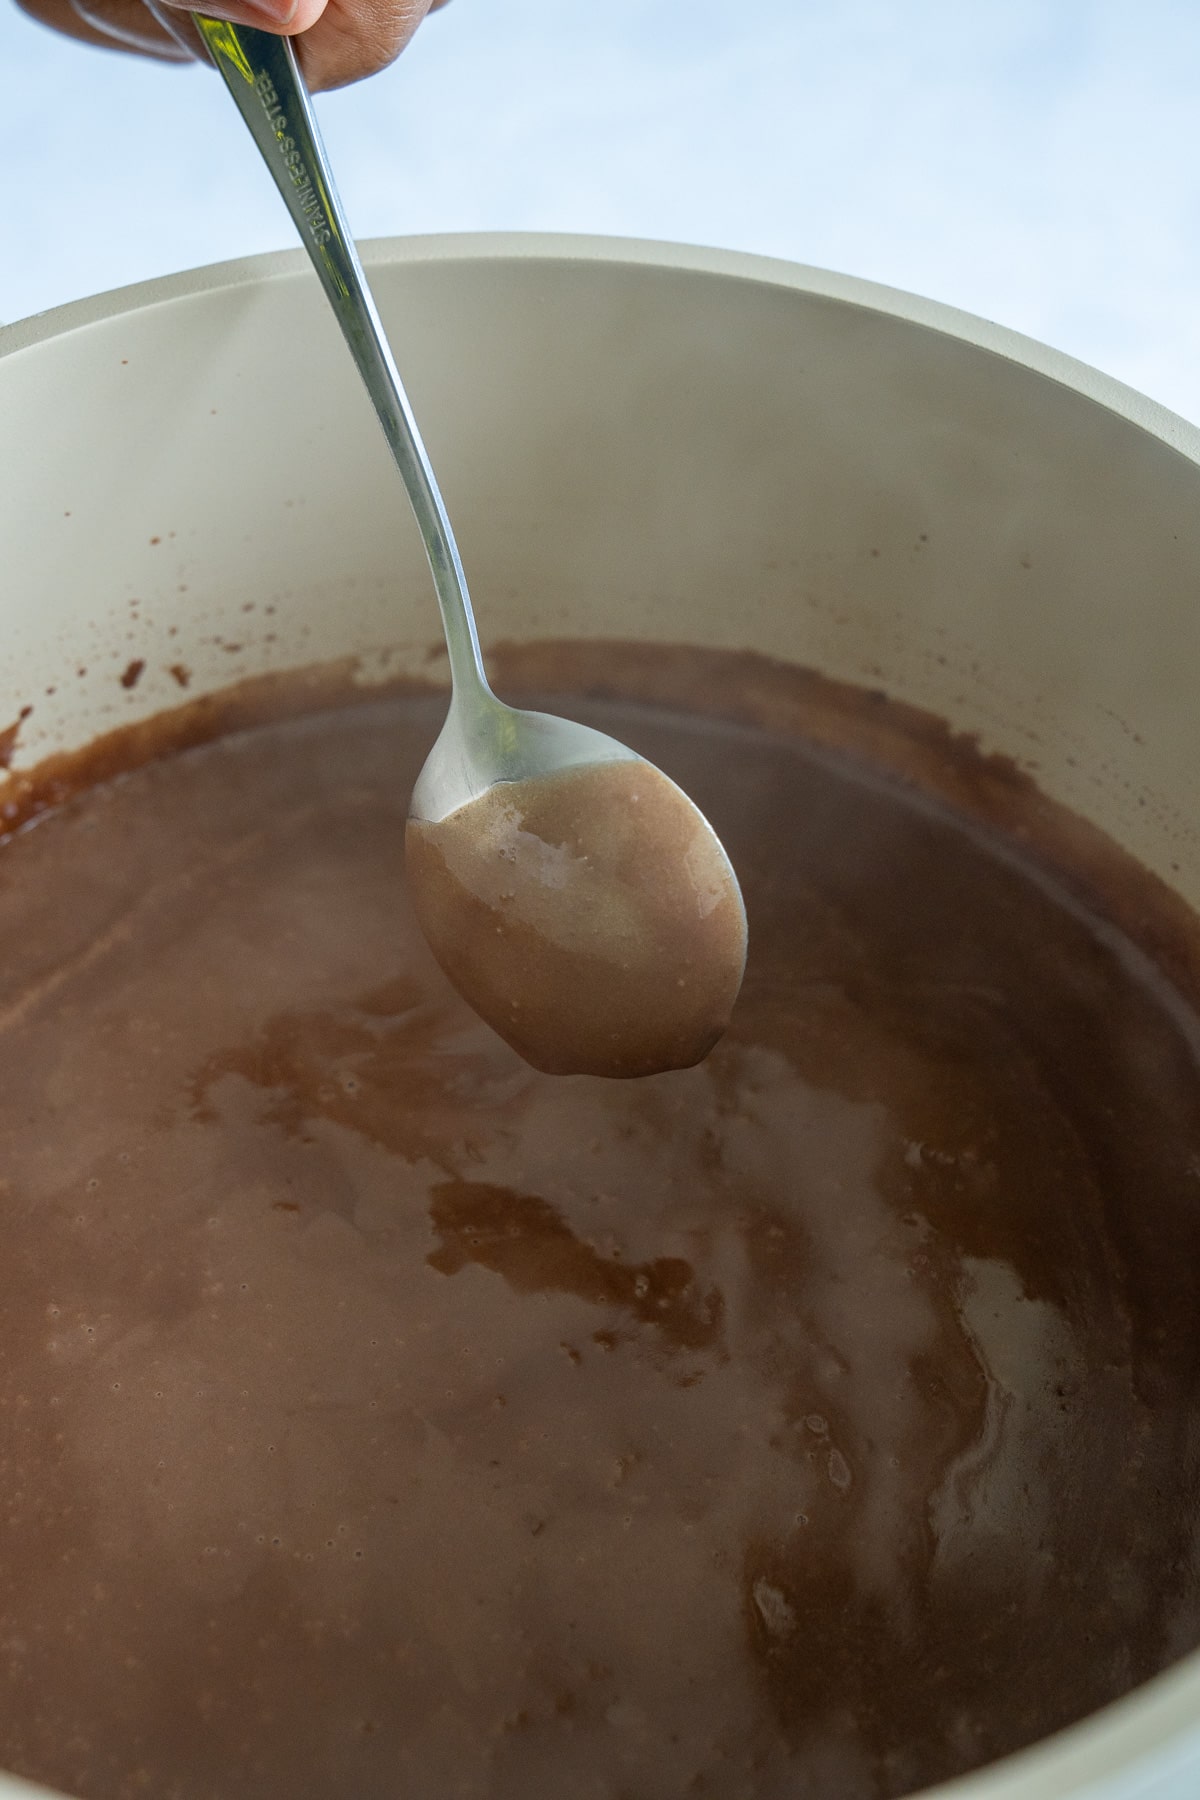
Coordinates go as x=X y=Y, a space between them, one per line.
x=590 y=917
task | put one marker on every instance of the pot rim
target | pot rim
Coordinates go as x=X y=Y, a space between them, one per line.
x=535 y=246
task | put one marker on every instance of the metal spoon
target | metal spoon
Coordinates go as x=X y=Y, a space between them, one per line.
x=483 y=742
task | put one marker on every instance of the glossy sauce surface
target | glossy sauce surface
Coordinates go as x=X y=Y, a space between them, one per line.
x=380 y=1417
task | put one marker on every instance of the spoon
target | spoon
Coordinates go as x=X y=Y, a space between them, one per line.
x=578 y=900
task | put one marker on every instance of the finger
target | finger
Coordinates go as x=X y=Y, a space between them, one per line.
x=180 y=26
x=356 y=38
x=130 y=26
x=124 y=26
x=338 y=41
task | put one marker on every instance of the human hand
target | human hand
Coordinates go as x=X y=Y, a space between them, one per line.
x=337 y=41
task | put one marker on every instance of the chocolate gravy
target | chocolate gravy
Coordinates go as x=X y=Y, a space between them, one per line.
x=589 y=916
x=379 y=1417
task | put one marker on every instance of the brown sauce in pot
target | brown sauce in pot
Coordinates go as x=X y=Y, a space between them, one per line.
x=379 y=1417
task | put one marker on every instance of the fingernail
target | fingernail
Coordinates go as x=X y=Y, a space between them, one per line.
x=268 y=14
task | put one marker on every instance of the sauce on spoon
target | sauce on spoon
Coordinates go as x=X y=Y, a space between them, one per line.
x=590 y=916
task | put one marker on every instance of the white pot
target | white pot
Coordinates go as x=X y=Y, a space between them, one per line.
x=635 y=441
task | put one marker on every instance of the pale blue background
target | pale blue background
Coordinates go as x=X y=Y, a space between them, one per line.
x=1036 y=163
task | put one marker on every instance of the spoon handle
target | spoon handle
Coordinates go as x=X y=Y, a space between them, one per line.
x=262 y=74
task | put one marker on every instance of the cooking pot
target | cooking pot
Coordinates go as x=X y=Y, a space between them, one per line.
x=635 y=441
